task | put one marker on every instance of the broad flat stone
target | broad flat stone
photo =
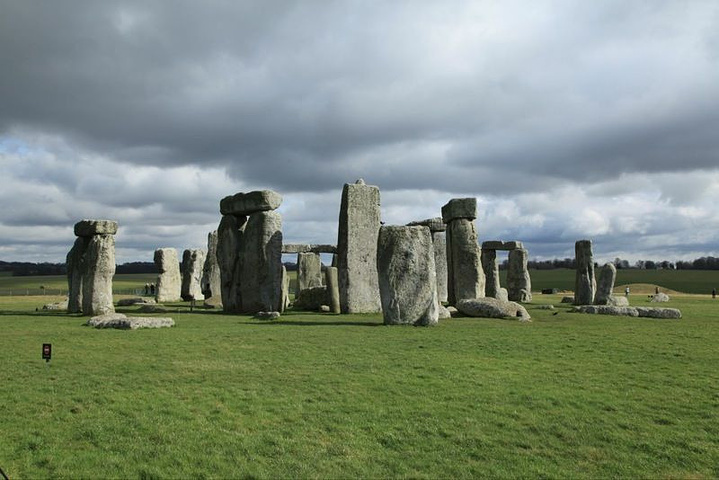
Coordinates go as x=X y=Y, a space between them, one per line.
x=585 y=285
x=606 y=310
x=98 y=270
x=251 y=202
x=169 y=279
x=465 y=208
x=435 y=224
x=657 y=312
x=309 y=248
x=88 y=228
x=605 y=285
x=488 y=307
x=501 y=245
x=407 y=277
x=120 y=321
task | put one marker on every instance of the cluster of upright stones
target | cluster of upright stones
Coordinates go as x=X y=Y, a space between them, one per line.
x=437 y=229
x=585 y=284
x=91 y=266
x=169 y=279
x=358 y=230
x=193 y=261
x=465 y=278
x=249 y=252
x=519 y=284
x=211 y=270
x=407 y=276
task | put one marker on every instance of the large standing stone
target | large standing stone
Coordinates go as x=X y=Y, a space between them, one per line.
x=465 y=278
x=229 y=238
x=169 y=280
x=99 y=267
x=75 y=267
x=309 y=271
x=519 y=285
x=437 y=227
x=333 y=289
x=407 y=278
x=585 y=285
x=285 y=290
x=251 y=202
x=192 y=262
x=359 y=224
x=605 y=285
x=490 y=266
x=261 y=263
x=211 y=281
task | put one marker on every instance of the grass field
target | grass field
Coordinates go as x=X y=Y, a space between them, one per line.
x=313 y=395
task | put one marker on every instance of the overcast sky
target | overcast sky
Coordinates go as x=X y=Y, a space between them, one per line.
x=565 y=119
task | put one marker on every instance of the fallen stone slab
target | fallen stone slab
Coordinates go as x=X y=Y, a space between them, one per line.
x=544 y=307
x=149 y=308
x=567 y=300
x=658 y=312
x=617 y=301
x=501 y=245
x=250 y=202
x=489 y=307
x=56 y=306
x=89 y=228
x=127 y=302
x=606 y=310
x=122 y=322
x=267 y=315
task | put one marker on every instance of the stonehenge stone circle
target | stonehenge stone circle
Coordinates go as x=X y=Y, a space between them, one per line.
x=309 y=270
x=500 y=245
x=437 y=228
x=605 y=284
x=169 y=279
x=333 y=289
x=519 y=285
x=465 y=277
x=192 y=262
x=359 y=223
x=244 y=204
x=585 y=285
x=407 y=277
x=91 y=266
x=488 y=307
x=211 y=280
x=490 y=265
x=229 y=238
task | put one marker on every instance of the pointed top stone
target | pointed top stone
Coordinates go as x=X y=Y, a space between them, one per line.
x=251 y=202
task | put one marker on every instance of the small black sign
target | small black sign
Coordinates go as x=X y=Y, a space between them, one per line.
x=46 y=351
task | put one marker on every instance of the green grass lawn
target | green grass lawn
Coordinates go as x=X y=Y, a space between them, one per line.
x=313 y=395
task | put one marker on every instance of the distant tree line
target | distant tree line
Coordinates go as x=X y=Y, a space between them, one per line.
x=703 y=263
x=24 y=269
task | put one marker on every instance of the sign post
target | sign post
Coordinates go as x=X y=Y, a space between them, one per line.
x=46 y=352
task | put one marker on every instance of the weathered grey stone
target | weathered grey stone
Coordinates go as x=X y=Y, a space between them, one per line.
x=500 y=245
x=229 y=238
x=657 y=312
x=488 y=307
x=502 y=295
x=435 y=224
x=465 y=278
x=192 y=262
x=305 y=248
x=99 y=267
x=120 y=321
x=309 y=270
x=75 y=269
x=606 y=310
x=605 y=284
x=285 y=303
x=459 y=208
x=490 y=266
x=169 y=280
x=261 y=263
x=56 y=306
x=407 y=277
x=89 y=228
x=660 y=297
x=311 y=299
x=617 y=301
x=545 y=307
x=154 y=309
x=333 y=289
x=452 y=310
x=519 y=284
x=359 y=223
x=128 y=302
x=567 y=299
x=267 y=315
x=211 y=280
x=250 y=202
x=443 y=312
x=585 y=285
x=213 y=302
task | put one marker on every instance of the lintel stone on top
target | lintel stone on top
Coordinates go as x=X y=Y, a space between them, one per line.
x=459 y=208
x=435 y=224
x=250 y=202
x=501 y=245
x=311 y=248
x=89 y=228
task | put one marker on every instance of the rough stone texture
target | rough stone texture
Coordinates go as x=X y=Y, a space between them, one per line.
x=585 y=285
x=545 y=307
x=311 y=299
x=75 y=267
x=120 y=321
x=309 y=270
x=155 y=309
x=606 y=310
x=192 y=262
x=488 y=307
x=267 y=315
x=250 y=202
x=567 y=299
x=502 y=295
x=261 y=263
x=89 y=228
x=435 y=224
x=169 y=280
x=359 y=223
x=56 y=306
x=128 y=302
x=459 y=208
x=443 y=312
x=333 y=289
x=285 y=303
x=605 y=284
x=439 y=241
x=490 y=266
x=213 y=302
x=660 y=297
x=500 y=245
x=519 y=284
x=465 y=278
x=229 y=237
x=657 y=312
x=99 y=268
x=211 y=280
x=302 y=248
x=617 y=301
x=407 y=276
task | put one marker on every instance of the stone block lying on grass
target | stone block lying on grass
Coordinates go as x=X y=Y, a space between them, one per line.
x=660 y=297
x=489 y=307
x=646 y=312
x=56 y=306
x=267 y=315
x=127 y=302
x=657 y=312
x=120 y=321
